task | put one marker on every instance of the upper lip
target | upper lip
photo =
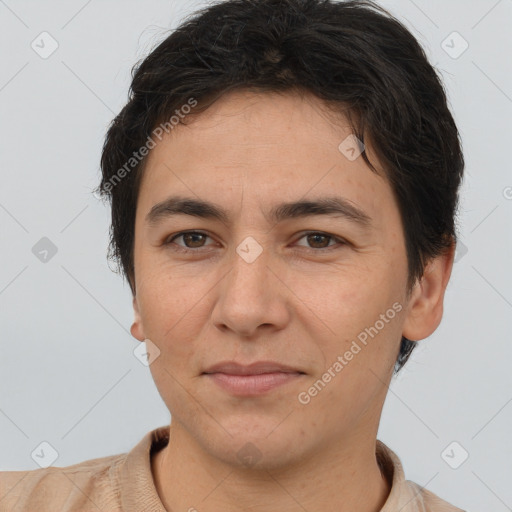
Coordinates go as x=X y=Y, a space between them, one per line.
x=257 y=368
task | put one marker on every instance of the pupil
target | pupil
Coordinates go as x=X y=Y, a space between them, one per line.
x=188 y=236
x=317 y=237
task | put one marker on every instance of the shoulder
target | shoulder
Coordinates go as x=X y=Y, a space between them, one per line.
x=406 y=495
x=427 y=501
x=87 y=486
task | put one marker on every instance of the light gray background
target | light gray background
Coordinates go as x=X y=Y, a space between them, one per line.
x=67 y=370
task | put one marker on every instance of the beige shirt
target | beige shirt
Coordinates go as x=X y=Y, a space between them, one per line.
x=125 y=483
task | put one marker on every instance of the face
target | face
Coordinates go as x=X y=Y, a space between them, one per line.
x=320 y=291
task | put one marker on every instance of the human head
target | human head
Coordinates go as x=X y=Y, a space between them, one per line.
x=352 y=55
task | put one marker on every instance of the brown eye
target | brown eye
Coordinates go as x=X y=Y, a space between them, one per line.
x=318 y=240
x=191 y=240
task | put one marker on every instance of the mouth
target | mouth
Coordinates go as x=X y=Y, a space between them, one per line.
x=251 y=380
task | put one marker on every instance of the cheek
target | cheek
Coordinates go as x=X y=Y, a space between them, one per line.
x=348 y=299
x=361 y=308
x=169 y=309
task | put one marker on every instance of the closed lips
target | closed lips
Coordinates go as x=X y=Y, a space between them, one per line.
x=257 y=368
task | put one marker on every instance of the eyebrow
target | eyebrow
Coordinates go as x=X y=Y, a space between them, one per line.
x=330 y=206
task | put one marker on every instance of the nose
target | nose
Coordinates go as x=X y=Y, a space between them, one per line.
x=252 y=296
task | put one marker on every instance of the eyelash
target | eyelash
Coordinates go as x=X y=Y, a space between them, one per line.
x=181 y=249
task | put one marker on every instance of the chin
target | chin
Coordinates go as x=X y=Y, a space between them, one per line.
x=257 y=446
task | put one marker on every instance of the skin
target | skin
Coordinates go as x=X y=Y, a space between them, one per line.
x=298 y=303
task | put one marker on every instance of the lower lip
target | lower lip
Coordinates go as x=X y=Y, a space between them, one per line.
x=247 y=385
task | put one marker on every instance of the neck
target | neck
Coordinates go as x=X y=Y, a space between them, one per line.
x=343 y=478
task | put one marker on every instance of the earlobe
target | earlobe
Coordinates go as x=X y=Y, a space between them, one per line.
x=136 y=329
x=425 y=308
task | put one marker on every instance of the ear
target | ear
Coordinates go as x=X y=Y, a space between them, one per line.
x=137 y=329
x=425 y=306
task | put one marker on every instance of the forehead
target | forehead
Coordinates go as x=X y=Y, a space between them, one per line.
x=273 y=116
x=262 y=147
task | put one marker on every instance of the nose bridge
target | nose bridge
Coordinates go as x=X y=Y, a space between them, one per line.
x=250 y=266
x=247 y=298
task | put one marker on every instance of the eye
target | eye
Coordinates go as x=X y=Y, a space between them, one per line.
x=194 y=240
x=318 y=240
